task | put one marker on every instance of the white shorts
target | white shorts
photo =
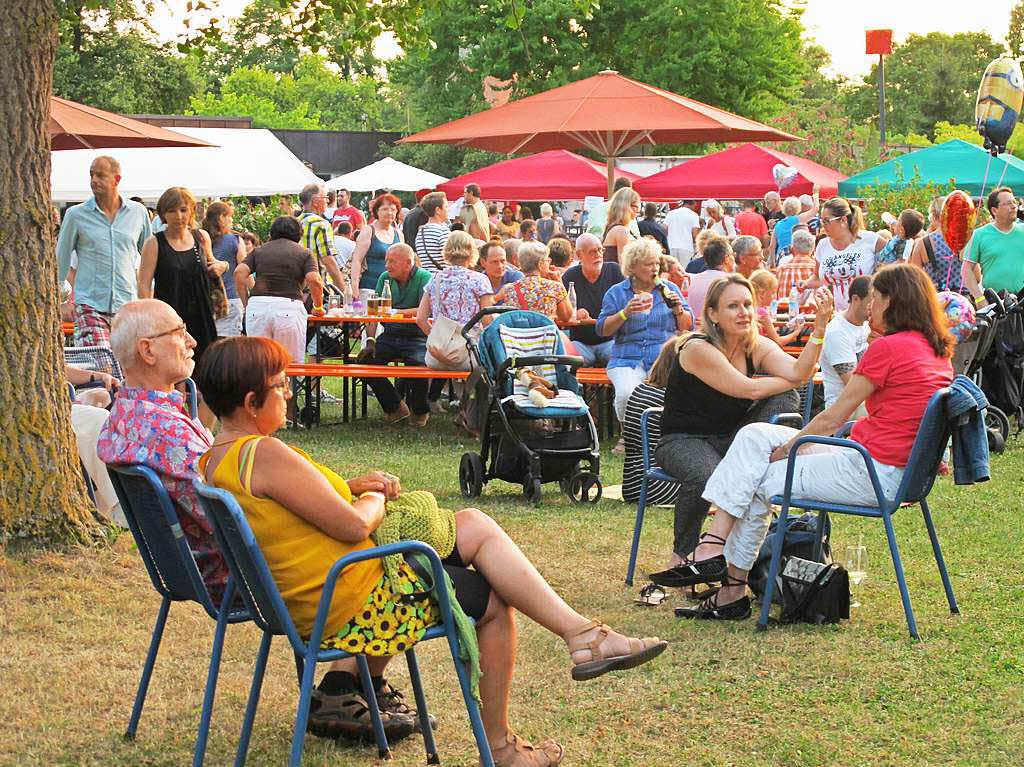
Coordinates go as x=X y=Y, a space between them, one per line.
x=282 y=319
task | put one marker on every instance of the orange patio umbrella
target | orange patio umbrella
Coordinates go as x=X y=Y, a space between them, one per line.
x=607 y=113
x=77 y=126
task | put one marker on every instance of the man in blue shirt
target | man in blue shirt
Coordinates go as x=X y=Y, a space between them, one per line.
x=106 y=232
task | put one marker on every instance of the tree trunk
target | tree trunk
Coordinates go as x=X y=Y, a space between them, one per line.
x=42 y=496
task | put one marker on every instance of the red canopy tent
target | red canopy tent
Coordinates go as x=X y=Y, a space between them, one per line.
x=555 y=175
x=742 y=172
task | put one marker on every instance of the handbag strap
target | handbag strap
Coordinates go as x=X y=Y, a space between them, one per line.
x=519 y=293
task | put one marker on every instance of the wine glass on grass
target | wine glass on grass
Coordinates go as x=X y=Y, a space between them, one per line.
x=856 y=567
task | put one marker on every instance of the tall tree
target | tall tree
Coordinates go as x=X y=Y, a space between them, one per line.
x=41 y=493
x=1015 y=32
x=928 y=78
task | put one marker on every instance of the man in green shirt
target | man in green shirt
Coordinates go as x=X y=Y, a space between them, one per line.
x=400 y=341
x=995 y=254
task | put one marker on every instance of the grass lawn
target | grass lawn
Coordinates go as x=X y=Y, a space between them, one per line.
x=75 y=628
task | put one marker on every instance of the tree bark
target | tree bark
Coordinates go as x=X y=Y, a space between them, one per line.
x=42 y=496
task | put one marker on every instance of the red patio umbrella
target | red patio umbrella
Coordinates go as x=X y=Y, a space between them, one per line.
x=554 y=175
x=740 y=172
x=607 y=113
x=77 y=126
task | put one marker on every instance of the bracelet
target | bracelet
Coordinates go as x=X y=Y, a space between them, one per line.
x=622 y=313
x=372 y=493
x=318 y=308
x=816 y=340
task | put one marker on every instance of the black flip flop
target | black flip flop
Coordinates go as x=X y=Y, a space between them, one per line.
x=651 y=595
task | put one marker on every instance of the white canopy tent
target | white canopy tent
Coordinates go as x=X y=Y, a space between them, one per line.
x=386 y=174
x=242 y=162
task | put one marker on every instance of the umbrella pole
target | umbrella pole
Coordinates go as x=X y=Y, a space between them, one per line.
x=611 y=175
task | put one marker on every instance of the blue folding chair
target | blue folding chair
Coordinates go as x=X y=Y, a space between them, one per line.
x=651 y=473
x=172 y=569
x=250 y=572
x=925 y=456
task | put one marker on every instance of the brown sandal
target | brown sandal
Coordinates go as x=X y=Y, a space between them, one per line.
x=516 y=752
x=640 y=651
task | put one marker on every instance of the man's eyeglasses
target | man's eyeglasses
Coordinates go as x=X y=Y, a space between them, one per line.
x=180 y=330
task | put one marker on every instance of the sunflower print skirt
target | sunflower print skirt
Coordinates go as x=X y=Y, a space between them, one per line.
x=387 y=624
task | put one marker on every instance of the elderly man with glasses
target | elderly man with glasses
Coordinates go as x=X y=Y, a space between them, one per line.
x=591 y=277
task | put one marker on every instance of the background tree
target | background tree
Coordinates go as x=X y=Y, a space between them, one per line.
x=42 y=498
x=928 y=78
x=1015 y=32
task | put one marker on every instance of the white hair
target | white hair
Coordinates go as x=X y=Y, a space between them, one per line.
x=546 y=209
x=530 y=255
x=802 y=242
x=309 y=191
x=133 y=321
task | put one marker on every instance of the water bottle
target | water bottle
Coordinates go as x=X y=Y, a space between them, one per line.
x=773 y=310
x=794 y=303
x=572 y=297
x=346 y=298
x=385 y=299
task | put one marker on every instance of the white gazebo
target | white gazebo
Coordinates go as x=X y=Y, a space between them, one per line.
x=386 y=174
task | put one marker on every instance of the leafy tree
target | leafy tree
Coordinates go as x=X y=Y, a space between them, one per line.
x=928 y=78
x=81 y=19
x=1015 y=33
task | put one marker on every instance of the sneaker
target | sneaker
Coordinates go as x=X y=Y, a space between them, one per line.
x=391 y=700
x=435 y=407
x=620 y=447
x=347 y=715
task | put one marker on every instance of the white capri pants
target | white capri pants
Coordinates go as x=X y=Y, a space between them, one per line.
x=624 y=380
x=744 y=481
x=283 y=319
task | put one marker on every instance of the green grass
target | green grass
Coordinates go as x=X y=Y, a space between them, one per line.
x=75 y=627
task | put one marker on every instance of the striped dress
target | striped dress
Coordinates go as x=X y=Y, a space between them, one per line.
x=643 y=397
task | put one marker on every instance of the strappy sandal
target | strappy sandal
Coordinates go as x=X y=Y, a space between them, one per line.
x=693 y=572
x=641 y=651
x=709 y=609
x=650 y=595
x=516 y=752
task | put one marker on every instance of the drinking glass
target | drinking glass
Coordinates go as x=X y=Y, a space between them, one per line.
x=857 y=568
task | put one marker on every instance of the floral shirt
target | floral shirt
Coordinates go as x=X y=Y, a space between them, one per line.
x=538 y=295
x=455 y=293
x=151 y=428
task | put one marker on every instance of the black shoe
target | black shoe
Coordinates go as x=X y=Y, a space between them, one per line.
x=346 y=715
x=708 y=610
x=691 y=573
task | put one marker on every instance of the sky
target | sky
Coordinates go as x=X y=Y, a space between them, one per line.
x=836 y=25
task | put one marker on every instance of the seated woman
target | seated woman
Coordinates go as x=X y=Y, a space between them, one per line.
x=305 y=517
x=765 y=285
x=651 y=393
x=712 y=392
x=540 y=290
x=895 y=378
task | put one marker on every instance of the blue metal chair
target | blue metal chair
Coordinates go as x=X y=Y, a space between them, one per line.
x=932 y=437
x=250 y=572
x=172 y=569
x=651 y=473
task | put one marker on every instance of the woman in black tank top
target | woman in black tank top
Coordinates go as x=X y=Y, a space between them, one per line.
x=712 y=392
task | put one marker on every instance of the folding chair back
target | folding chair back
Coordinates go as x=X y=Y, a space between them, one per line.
x=98 y=358
x=929 y=446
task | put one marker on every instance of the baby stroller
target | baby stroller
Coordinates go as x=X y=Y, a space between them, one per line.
x=1000 y=373
x=519 y=441
x=968 y=358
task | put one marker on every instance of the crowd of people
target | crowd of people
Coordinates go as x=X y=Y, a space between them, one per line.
x=681 y=314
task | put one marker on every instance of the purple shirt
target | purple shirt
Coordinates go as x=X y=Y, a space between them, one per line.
x=151 y=428
x=455 y=293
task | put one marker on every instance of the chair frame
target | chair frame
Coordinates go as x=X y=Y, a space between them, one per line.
x=260 y=593
x=918 y=478
x=173 y=572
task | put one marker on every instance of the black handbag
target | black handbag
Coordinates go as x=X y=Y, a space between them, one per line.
x=814 y=592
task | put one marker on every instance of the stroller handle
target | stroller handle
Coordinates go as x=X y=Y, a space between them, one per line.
x=485 y=312
x=539 y=359
x=993 y=298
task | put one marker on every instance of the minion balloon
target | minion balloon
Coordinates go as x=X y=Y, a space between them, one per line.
x=999 y=103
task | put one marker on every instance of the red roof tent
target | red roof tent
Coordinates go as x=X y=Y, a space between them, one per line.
x=555 y=175
x=743 y=173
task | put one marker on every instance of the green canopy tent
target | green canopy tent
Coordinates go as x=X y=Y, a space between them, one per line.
x=956 y=159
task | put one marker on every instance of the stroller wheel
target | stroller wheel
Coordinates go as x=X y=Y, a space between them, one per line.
x=531 y=489
x=565 y=483
x=471 y=475
x=996 y=443
x=585 y=487
x=997 y=420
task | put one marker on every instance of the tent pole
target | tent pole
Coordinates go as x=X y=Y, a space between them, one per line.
x=611 y=174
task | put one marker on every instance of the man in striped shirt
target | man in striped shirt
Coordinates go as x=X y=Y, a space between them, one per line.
x=317 y=234
x=433 y=235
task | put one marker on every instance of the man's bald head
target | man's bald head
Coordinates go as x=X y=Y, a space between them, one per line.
x=152 y=345
x=399 y=261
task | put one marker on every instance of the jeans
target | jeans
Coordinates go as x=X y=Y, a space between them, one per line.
x=407 y=349
x=596 y=355
x=693 y=458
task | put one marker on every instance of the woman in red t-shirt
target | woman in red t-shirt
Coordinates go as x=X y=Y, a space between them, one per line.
x=895 y=379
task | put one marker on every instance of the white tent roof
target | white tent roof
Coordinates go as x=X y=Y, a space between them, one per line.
x=386 y=174
x=243 y=162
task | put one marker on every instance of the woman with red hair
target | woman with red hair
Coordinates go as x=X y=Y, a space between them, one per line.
x=373 y=242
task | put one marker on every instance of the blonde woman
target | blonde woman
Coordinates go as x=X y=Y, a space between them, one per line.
x=847 y=251
x=622 y=210
x=547 y=225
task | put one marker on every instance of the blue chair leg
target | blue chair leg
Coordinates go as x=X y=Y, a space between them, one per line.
x=211 y=675
x=637 y=527
x=147 y=669
x=773 y=567
x=900 y=579
x=254 y=697
x=818 y=530
x=302 y=715
x=421 y=707
x=937 y=549
x=383 y=749
x=475 y=720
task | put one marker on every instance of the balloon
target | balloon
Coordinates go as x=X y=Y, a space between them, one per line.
x=959 y=313
x=957 y=220
x=784 y=175
x=1000 y=97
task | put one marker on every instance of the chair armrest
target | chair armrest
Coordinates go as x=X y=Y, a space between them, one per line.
x=645 y=446
x=787 y=419
x=787 y=490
